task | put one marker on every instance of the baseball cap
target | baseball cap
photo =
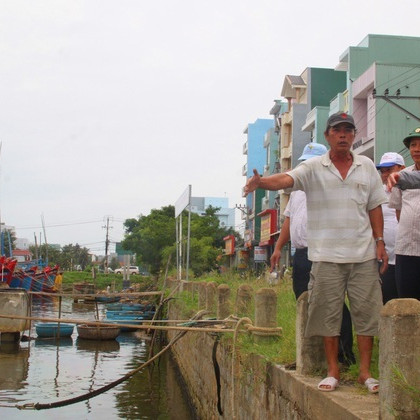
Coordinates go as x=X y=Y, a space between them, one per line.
x=390 y=159
x=415 y=133
x=313 y=149
x=340 y=117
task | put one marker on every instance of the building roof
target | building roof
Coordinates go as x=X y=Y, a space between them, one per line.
x=290 y=84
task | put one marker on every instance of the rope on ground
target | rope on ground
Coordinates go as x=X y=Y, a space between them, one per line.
x=89 y=395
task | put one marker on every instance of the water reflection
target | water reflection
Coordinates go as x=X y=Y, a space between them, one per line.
x=14 y=366
x=48 y=370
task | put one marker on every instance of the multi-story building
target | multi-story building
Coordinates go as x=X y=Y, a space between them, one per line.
x=256 y=159
x=225 y=214
x=378 y=81
x=382 y=93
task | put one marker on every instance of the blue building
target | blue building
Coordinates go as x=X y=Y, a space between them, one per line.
x=256 y=155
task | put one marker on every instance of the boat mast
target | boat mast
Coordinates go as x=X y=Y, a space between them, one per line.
x=45 y=240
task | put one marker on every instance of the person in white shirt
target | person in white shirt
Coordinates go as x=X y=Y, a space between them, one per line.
x=344 y=195
x=390 y=162
x=294 y=229
x=407 y=246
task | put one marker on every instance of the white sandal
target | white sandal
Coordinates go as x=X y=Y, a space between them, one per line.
x=330 y=382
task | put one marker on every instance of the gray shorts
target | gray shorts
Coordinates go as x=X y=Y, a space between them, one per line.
x=326 y=293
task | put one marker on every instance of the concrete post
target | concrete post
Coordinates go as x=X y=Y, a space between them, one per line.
x=244 y=300
x=202 y=292
x=211 y=288
x=186 y=286
x=223 y=304
x=265 y=313
x=195 y=287
x=399 y=360
x=310 y=355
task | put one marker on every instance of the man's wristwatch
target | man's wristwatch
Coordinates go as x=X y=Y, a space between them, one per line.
x=379 y=238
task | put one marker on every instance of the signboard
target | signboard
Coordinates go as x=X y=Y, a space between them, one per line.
x=265 y=229
x=242 y=258
x=268 y=226
x=260 y=254
x=183 y=201
x=248 y=238
x=229 y=244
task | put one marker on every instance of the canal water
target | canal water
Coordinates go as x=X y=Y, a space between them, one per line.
x=48 y=371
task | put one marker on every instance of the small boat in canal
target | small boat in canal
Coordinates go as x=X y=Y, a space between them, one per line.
x=107 y=298
x=54 y=329
x=98 y=332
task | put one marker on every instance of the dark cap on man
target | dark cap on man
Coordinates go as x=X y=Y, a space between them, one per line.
x=414 y=134
x=340 y=117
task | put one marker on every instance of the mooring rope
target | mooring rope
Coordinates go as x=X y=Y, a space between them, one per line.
x=62 y=403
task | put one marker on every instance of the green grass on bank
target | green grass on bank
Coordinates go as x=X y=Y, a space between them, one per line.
x=101 y=281
x=279 y=350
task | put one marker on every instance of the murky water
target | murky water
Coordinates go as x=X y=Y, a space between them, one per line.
x=45 y=371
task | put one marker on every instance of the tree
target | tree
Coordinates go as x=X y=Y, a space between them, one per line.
x=74 y=255
x=67 y=258
x=149 y=235
x=153 y=239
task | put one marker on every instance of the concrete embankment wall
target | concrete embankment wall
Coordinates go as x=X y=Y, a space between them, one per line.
x=259 y=390
x=256 y=389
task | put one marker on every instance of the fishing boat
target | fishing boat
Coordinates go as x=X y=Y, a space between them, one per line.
x=98 y=332
x=29 y=278
x=54 y=329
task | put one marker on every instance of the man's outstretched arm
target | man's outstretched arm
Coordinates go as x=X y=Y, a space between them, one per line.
x=272 y=182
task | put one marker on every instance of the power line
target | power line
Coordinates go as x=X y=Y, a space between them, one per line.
x=60 y=225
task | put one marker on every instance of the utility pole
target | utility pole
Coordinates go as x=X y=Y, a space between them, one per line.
x=107 y=227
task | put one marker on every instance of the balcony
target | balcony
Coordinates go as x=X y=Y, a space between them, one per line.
x=245 y=170
x=245 y=148
x=340 y=103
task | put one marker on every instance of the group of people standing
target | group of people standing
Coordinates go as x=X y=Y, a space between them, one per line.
x=335 y=220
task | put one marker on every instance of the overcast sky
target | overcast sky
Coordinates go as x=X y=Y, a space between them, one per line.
x=112 y=108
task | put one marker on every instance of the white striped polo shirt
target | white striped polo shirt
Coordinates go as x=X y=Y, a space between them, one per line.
x=339 y=227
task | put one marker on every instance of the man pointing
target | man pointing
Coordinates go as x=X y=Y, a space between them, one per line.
x=345 y=242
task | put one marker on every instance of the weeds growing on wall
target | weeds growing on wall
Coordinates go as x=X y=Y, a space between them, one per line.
x=399 y=379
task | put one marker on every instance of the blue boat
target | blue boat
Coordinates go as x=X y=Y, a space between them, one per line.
x=124 y=314
x=113 y=306
x=107 y=299
x=137 y=306
x=54 y=329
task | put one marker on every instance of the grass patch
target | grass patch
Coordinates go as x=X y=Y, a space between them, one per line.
x=140 y=283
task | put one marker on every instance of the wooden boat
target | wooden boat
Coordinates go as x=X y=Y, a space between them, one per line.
x=98 y=332
x=107 y=298
x=54 y=329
